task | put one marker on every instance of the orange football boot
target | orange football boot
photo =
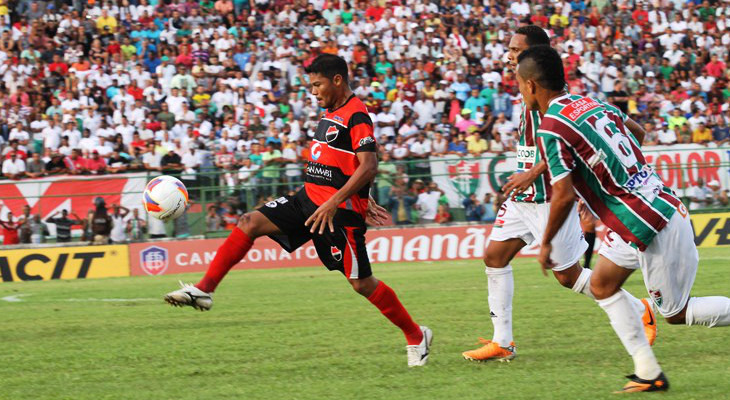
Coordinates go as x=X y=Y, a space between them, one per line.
x=491 y=351
x=636 y=384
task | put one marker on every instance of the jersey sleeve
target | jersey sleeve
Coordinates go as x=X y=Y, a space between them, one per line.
x=556 y=154
x=361 y=132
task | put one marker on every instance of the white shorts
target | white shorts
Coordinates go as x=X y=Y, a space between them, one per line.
x=527 y=221
x=669 y=263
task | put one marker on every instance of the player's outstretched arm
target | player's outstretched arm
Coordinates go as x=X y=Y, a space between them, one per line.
x=364 y=173
x=521 y=181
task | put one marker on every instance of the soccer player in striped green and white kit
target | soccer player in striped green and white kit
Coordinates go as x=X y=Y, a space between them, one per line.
x=521 y=220
x=590 y=150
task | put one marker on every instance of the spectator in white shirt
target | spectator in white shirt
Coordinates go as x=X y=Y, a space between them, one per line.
x=13 y=167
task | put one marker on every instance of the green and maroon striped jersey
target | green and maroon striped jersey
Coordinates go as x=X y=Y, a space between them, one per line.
x=527 y=156
x=587 y=139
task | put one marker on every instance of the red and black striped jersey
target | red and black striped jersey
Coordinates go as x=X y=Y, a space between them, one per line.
x=341 y=134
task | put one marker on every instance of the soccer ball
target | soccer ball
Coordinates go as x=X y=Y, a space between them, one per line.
x=165 y=198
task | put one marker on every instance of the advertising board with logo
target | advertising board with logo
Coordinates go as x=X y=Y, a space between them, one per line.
x=64 y=263
x=679 y=166
x=386 y=245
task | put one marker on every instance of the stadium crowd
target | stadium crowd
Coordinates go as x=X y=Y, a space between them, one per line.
x=184 y=86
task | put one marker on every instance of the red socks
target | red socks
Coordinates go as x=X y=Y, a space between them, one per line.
x=387 y=302
x=228 y=255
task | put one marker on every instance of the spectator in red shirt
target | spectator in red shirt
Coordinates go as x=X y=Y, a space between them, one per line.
x=58 y=66
x=135 y=91
x=539 y=18
x=78 y=162
x=96 y=164
x=375 y=12
x=641 y=16
x=715 y=67
x=10 y=230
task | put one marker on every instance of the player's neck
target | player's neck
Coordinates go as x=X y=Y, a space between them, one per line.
x=544 y=101
x=342 y=99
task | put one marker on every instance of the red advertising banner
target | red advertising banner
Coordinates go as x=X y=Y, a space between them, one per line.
x=385 y=245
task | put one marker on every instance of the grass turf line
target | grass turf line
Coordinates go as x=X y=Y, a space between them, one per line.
x=304 y=334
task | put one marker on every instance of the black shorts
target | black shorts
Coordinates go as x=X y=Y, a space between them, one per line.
x=344 y=250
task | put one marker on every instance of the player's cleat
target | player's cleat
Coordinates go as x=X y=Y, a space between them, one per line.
x=649 y=322
x=189 y=295
x=491 y=351
x=636 y=384
x=418 y=353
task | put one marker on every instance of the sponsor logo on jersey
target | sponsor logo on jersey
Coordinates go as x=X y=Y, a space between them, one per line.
x=579 y=107
x=338 y=119
x=274 y=203
x=336 y=253
x=526 y=154
x=319 y=171
x=153 y=260
x=331 y=134
x=316 y=151
x=640 y=178
x=366 y=140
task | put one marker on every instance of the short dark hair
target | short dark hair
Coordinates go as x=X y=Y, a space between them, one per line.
x=328 y=65
x=543 y=65
x=536 y=36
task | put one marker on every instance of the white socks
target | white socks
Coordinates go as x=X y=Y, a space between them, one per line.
x=708 y=311
x=629 y=328
x=501 y=288
x=583 y=283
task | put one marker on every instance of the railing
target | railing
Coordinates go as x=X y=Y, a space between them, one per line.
x=209 y=187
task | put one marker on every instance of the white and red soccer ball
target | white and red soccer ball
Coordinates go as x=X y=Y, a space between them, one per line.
x=165 y=198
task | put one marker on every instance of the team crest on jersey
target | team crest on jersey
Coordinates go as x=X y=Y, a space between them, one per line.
x=331 y=134
x=336 y=253
x=656 y=296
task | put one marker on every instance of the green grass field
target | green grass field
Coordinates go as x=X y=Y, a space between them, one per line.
x=304 y=334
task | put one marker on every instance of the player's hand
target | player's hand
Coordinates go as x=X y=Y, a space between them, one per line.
x=323 y=217
x=518 y=183
x=544 y=258
x=376 y=214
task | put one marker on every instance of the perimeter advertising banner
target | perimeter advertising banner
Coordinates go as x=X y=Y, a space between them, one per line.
x=387 y=245
x=64 y=263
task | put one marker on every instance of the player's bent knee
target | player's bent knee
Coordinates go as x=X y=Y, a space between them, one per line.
x=365 y=286
x=246 y=224
x=566 y=280
x=603 y=291
x=492 y=260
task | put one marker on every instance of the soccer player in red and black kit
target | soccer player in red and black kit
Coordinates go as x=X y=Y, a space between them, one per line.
x=331 y=209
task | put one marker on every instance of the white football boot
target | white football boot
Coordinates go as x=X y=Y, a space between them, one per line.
x=418 y=353
x=189 y=295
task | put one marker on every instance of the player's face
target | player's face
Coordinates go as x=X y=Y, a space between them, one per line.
x=324 y=89
x=527 y=89
x=517 y=45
